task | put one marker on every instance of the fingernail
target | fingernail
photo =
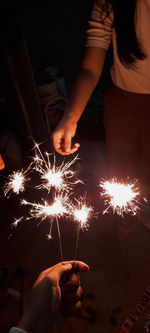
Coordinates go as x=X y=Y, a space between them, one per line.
x=69 y=266
x=86 y=268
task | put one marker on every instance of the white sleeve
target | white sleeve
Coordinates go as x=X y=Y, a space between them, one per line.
x=17 y=330
x=100 y=26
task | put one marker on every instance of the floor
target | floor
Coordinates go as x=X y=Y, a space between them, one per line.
x=119 y=263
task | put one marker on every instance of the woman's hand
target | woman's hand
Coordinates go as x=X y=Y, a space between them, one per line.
x=62 y=136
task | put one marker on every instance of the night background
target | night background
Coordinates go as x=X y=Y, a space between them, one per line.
x=41 y=43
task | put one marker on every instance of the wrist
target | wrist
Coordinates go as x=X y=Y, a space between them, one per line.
x=69 y=116
x=39 y=324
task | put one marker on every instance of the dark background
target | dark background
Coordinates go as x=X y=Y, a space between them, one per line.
x=55 y=33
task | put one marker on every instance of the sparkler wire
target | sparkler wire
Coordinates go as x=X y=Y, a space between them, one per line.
x=59 y=236
x=53 y=177
x=77 y=240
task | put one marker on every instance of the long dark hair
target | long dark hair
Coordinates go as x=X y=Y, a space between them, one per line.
x=128 y=46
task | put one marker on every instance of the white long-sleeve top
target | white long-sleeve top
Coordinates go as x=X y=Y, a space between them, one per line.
x=17 y=330
x=100 y=33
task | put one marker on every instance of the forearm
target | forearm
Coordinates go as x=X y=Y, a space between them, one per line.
x=81 y=90
x=85 y=82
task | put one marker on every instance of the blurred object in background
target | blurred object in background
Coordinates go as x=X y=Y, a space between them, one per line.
x=2 y=164
x=52 y=95
x=11 y=151
x=14 y=51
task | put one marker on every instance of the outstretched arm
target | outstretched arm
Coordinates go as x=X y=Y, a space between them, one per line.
x=80 y=91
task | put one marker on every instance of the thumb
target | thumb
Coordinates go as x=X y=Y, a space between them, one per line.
x=57 y=140
x=59 y=270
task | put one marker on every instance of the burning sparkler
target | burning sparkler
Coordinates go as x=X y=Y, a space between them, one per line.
x=52 y=176
x=121 y=197
x=81 y=214
x=61 y=179
x=42 y=211
x=16 y=182
x=52 y=211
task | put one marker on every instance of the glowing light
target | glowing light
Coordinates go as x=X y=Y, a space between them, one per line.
x=82 y=215
x=52 y=211
x=56 y=209
x=121 y=197
x=59 y=177
x=53 y=179
x=16 y=221
x=16 y=183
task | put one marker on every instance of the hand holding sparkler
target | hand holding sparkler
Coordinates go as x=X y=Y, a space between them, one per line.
x=55 y=288
x=63 y=134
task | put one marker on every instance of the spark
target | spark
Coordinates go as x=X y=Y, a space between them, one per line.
x=46 y=210
x=16 y=182
x=56 y=177
x=52 y=211
x=121 y=197
x=52 y=176
x=82 y=214
x=16 y=221
x=43 y=211
x=49 y=236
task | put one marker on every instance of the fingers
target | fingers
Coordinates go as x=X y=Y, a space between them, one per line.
x=70 y=299
x=71 y=284
x=63 y=144
x=62 y=137
x=67 y=142
x=57 y=141
x=68 y=266
x=72 y=150
x=55 y=273
x=79 y=266
x=60 y=148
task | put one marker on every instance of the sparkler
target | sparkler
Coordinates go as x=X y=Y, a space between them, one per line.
x=58 y=177
x=53 y=211
x=81 y=214
x=16 y=182
x=121 y=197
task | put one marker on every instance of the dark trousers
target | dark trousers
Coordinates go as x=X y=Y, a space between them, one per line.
x=127 y=129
